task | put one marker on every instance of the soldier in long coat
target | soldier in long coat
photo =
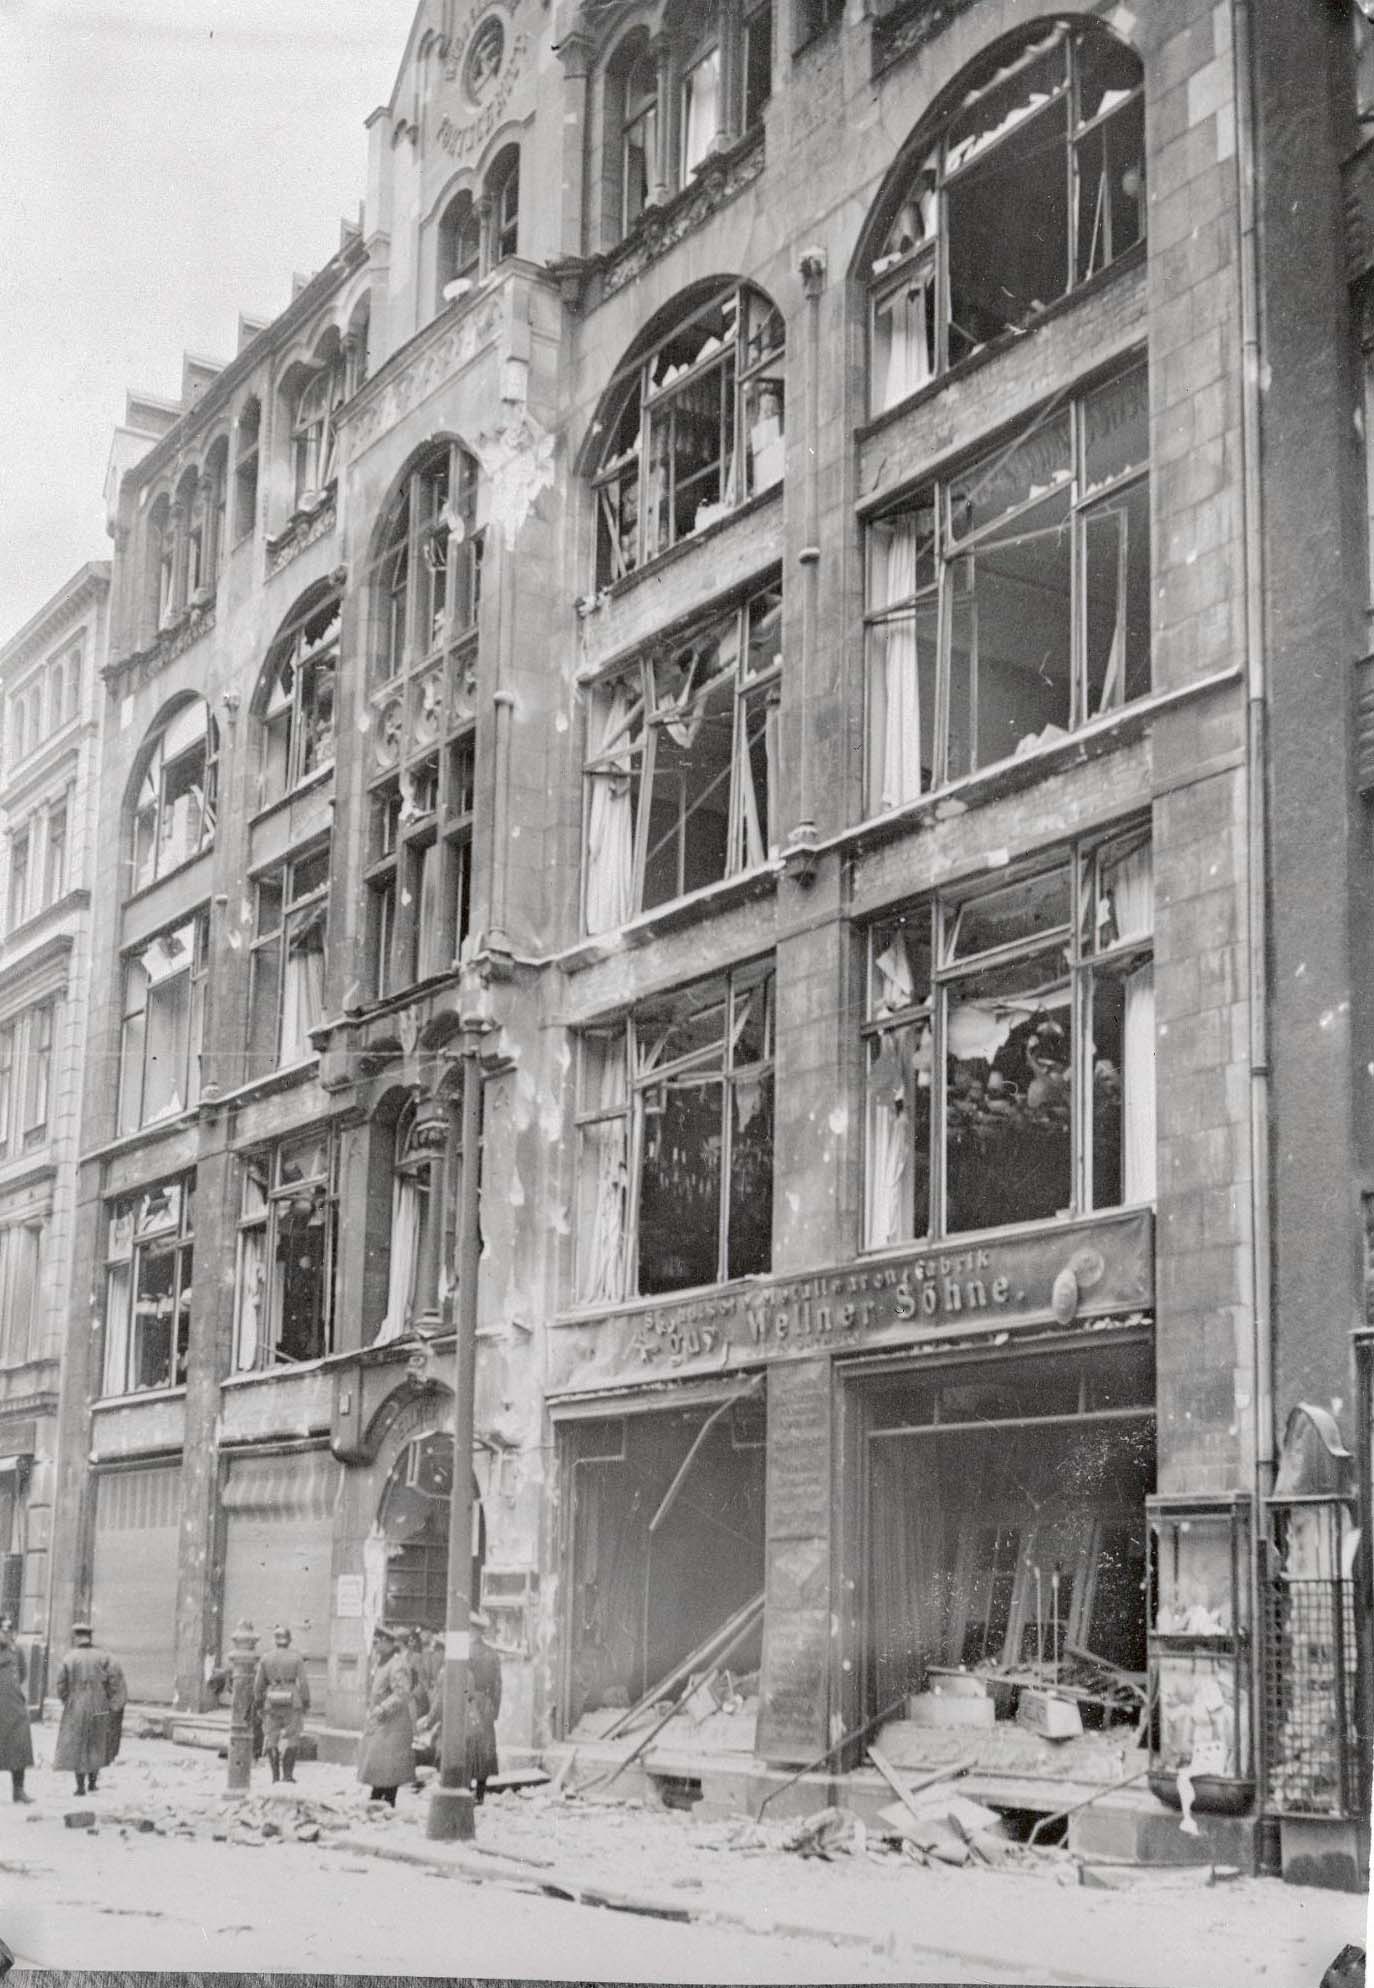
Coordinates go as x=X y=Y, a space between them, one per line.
x=281 y=1698
x=385 y=1753
x=16 y=1737
x=484 y=1703
x=93 y=1693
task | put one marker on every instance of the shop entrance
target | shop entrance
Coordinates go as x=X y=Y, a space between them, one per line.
x=414 y=1518
x=665 y=1544
x=1004 y=1520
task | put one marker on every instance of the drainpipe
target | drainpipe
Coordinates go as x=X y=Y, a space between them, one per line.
x=803 y=835
x=1242 y=49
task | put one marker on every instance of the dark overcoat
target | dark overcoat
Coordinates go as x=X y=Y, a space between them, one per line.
x=281 y=1696
x=16 y=1736
x=385 y=1757
x=91 y=1687
x=484 y=1703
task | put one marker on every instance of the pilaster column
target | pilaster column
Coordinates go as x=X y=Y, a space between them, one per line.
x=664 y=51
x=730 y=27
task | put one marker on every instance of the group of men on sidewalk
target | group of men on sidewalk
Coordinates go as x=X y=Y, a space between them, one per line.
x=404 y=1709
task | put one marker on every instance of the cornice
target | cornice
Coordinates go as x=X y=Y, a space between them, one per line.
x=144 y=664
x=52 y=620
x=35 y=971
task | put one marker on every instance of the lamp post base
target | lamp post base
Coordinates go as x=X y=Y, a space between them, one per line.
x=450 y=1818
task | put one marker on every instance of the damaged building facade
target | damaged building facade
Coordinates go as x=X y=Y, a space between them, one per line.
x=696 y=618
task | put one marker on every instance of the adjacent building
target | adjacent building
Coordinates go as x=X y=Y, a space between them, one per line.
x=831 y=705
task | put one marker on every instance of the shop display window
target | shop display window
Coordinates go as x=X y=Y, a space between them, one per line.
x=1200 y=1633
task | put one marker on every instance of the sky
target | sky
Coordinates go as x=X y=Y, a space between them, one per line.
x=167 y=164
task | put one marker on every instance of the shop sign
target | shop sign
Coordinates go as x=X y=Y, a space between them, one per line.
x=1064 y=1275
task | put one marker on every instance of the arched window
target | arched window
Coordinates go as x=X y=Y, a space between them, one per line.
x=699 y=112
x=214 y=499
x=460 y=247
x=634 y=76
x=503 y=195
x=246 y=470
x=295 y=700
x=696 y=429
x=317 y=400
x=415 y=1241
x=1052 y=126
x=161 y=552
x=174 y=804
x=422 y=685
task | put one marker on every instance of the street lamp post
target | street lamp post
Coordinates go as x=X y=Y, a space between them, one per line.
x=451 y=1804
x=243 y=1663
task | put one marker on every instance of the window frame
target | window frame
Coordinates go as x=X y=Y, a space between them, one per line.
x=174 y=1238
x=632 y=757
x=1074 y=940
x=270 y=1220
x=638 y=1081
x=750 y=358
x=927 y=257
x=421 y=776
x=134 y=1024
x=303 y=647
x=314 y=440
x=302 y=910
x=155 y=767
x=944 y=557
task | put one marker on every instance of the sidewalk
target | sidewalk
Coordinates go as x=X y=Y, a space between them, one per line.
x=1036 y=1920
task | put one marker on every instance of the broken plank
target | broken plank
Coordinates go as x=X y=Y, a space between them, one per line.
x=905 y=1791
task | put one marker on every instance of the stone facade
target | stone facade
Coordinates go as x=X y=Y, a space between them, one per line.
x=485 y=369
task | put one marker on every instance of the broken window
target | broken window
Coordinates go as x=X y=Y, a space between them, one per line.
x=700 y=109
x=638 y=77
x=667 y=1546
x=415 y=1242
x=503 y=193
x=163 y=1024
x=695 y=431
x=1043 y=1571
x=675 y=1116
x=1010 y=1041
x=287 y=1253
x=314 y=439
x=286 y=983
x=1010 y=604
x=422 y=763
x=681 y=771
x=174 y=807
x=460 y=247
x=149 y=1252
x=1051 y=131
x=295 y=703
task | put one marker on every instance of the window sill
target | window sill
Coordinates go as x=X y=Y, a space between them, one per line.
x=1133 y=258
x=654 y=568
x=70 y=900
x=129 y=1142
x=300 y=792
x=1005 y=1232
x=177 y=870
x=1006 y=776
x=103 y=1401
x=284 y=1370
x=710 y=900
x=284 y=1079
x=169 y=643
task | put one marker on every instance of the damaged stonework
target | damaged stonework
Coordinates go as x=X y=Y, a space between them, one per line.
x=518 y=458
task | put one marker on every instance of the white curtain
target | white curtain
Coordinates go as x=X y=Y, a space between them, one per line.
x=610 y=814
x=701 y=111
x=432 y=948
x=303 y=994
x=606 y=1181
x=895 y=689
x=252 y=1286
x=405 y=1235
x=901 y=327
x=1131 y=887
x=889 y=1143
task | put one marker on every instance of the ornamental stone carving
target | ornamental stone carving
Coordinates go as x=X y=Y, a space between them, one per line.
x=304 y=529
x=476 y=324
x=131 y=672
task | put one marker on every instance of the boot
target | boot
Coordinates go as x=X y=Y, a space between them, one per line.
x=288 y=1762
x=80 y=1784
x=90 y=1783
x=274 y=1762
x=17 y=1783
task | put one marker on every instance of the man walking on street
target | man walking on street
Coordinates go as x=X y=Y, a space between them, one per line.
x=281 y=1698
x=385 y=1752
x=16 y=1738
x=91 y=1687
x=484 y=1684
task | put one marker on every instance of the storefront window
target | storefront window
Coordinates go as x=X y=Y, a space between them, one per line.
x=676 y=1141
x=1010 y=1040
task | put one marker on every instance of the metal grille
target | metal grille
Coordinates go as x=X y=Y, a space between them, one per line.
x=1309 y=1689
